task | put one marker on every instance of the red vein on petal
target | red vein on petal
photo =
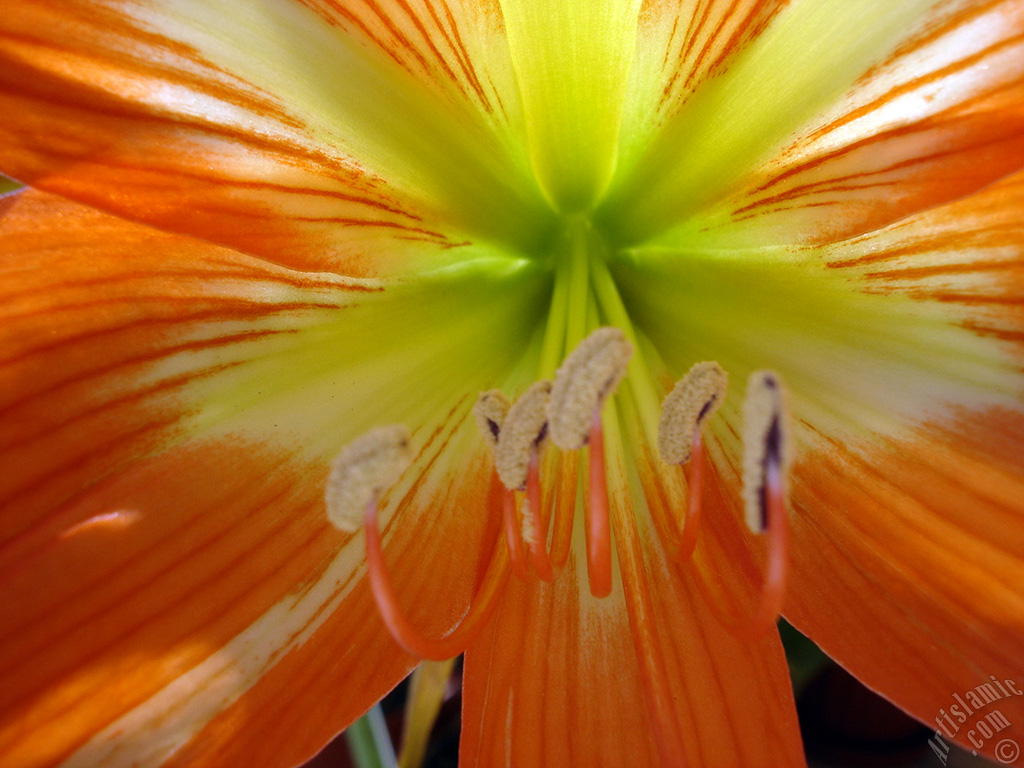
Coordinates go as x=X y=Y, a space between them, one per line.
x=147 y=357
x=933 y=33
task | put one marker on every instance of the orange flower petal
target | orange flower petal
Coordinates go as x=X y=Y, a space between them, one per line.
x=265 y=128
x=685 y=45
x=908 y=498
x=940 y=119
x=917 y=541
x=908 y=564
x=760 y=73
x=554 y=682
x=560 y=681
x=172 y=589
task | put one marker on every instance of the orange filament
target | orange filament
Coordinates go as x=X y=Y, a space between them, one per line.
x=513 y=534
x=776 y=572
x=773 y=591
x=694 y=492
x=410 y=638
x=599 y=549
x=539 y=545
x=561 y=539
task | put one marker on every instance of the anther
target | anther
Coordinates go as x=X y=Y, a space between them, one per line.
x=588 y=375
x=765 y=474
x=522 y=434
x=364 y=469
x=691 y=402
x=765 y=443
x=490 y=410
x=518 y=461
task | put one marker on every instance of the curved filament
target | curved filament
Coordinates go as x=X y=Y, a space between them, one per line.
x=694 y=492
x=773 y=591
x=410 y=638
x=513 y=534
x=773 y=588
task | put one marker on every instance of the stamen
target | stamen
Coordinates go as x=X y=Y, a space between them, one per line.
x=691 y=402
x=364 y=469
x=773 y=591
x=491 y=410
x=599 y=546
x=513 y=535
x=765 y=471
x=765 y=441
x=522 y=434
x=694 y=497
x=588 y=375
x=533 y=512
x=410 y=638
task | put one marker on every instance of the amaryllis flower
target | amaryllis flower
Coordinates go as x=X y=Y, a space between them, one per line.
x=258 y=230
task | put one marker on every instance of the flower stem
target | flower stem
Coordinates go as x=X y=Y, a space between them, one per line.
x=369 y=741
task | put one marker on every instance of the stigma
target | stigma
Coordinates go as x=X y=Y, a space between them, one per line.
x=565 y=414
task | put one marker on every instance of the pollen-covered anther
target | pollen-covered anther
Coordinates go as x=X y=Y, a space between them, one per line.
x=491 y=410
x=521 y=435
x=364 y=469
x=766 y=449
x=588 y=375
x=691 y=402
